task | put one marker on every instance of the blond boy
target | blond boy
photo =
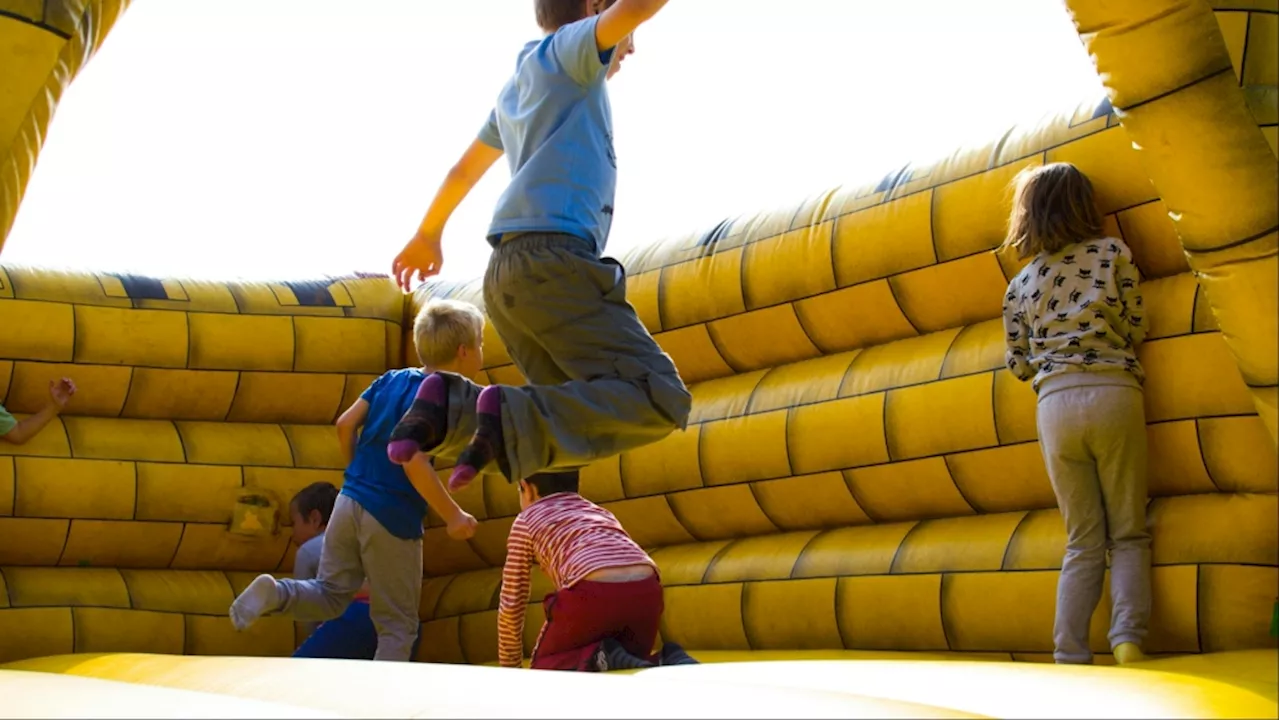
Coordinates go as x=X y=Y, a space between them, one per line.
x=376 y=528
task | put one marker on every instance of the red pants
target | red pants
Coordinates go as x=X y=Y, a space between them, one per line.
x=581 y=617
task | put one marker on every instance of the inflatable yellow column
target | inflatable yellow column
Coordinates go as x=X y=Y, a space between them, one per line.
x=43 y=45
x=1170 y=77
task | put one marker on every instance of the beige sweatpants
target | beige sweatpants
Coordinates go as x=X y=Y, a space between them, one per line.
x=1094 y=440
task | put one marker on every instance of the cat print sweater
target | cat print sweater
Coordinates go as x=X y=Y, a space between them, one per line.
x=1077 y=310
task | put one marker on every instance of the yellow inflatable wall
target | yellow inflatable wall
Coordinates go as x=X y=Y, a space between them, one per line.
x=860 y=476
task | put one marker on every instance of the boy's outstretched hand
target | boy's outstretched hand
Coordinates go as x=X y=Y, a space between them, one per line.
x=462 y=527
x=60 y=392
x=421 y=257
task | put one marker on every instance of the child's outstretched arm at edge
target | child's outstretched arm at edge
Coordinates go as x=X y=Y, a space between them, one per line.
x=459 y=524
x=422 y=255
x=621 y=19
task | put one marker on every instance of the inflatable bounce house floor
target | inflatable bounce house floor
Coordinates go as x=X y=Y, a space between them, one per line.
x=857 y=521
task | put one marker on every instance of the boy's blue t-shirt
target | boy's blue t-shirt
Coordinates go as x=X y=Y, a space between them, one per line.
x=379 y=485
x=554 y=123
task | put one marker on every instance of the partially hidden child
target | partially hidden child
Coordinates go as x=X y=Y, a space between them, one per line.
x=1074 y=319
x=605 y=612
x=598 y=382
x=376 y=528
x=352 y=635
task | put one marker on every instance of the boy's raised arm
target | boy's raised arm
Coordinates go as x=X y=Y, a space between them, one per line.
x=622 y=18
x=422 y=256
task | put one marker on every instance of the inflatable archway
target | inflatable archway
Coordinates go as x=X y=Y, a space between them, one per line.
x=857 y=517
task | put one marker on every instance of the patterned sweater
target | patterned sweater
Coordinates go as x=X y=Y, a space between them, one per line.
x=569 y=537
x=1078 y=310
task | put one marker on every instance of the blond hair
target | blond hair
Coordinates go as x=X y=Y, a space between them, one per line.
x=1053 y=207
x=443 y=326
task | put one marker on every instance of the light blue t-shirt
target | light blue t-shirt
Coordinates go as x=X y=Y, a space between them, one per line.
x=554 y=123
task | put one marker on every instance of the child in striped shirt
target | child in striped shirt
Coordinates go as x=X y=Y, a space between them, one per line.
x=604 y=614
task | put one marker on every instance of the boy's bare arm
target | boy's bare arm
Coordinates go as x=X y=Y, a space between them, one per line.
x=60 y=392
x=423 y=477
x=622 y=18
x=422 y=255
x=349 y=424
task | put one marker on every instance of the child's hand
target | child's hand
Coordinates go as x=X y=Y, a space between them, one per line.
x=462 y=527
x=421 y=256
x=60 y=392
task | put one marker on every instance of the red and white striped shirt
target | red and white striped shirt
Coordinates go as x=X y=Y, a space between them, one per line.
x=570 y=537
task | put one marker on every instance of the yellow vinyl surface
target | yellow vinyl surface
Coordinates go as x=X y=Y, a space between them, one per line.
x=730 y=685
x=857 y=521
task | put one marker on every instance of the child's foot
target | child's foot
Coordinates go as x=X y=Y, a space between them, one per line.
x=426 y=423
x=261 y=597
x=1128 y=653
x=673 y=654
x=612 y=656
x=486 y=445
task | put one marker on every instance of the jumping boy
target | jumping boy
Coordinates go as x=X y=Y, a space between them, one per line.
x=375 y=530
x=604 y=614
x=599 y=384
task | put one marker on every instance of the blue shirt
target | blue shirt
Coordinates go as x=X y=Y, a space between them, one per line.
x=554 y=123
x=379 y=485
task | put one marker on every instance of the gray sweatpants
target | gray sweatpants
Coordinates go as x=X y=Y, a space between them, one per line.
x=356 y=546
x=599 y=384
x=1094 y=439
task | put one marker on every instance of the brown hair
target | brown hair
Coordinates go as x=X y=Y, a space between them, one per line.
x=1053 y=207
x=555 y=14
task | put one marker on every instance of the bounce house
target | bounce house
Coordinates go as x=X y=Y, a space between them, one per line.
x=857 y=521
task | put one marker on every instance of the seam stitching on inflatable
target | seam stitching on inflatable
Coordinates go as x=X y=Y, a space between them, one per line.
x=1008 y=548
x=715 y=558
x=1185 y=86
x=128 y=390
x=915 y=525
x=1235 y=244
x=742 y=612
x=1199 y=617
x=942 y=609
x=756 y=581
x=1244 y=51
x=946 y=464
x=803 y=330
x=1204 y=461
x=946 y=355
x=756 y=497
x=894 y=294
x=884 y=425
x=35 y=23
x=800 y=556
x=848 y=483
x=675 y=513
x=231 y=404
x=711 y=335
x=182 y=535
x=839 y=595
x=436 y=607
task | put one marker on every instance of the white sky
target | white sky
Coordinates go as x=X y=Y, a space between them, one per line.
x=295 y=138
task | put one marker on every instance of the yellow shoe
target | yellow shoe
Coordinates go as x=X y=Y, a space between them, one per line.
x=1128 y=653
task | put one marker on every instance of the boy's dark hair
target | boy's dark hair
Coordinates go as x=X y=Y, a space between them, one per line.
x=554 y=482
x=316 y=496
x=555 y=14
